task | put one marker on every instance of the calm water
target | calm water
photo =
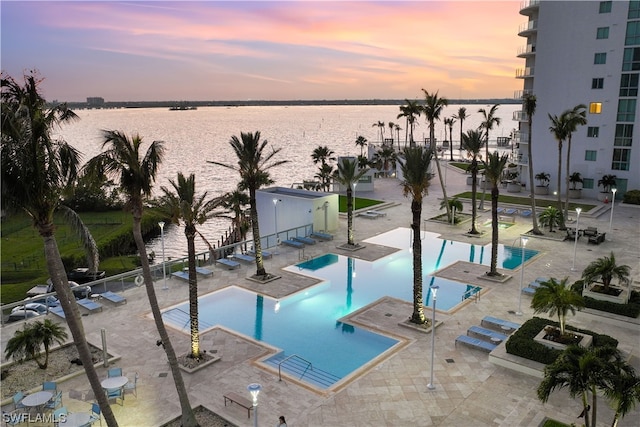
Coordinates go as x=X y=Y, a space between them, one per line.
x=193 y=137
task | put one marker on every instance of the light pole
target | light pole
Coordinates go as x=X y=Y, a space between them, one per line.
x=164 y=271
x=275 y=218
x=613 y=203
x=523 y=243
x=575 y=242
x=434 y=291
x=254 y=389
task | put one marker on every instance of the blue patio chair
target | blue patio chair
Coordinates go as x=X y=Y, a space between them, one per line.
x=49 y=386
x=55 y=401
x=116 y=393
x=58 y=415
x=132 y=386
x=95 y=414
x=17 y=400
x=114 y=372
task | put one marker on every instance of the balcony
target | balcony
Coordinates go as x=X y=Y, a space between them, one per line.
x=526 y=51
x=521 y=137
x=523 y=73
x=520 y=116
x=528 y=28
x=529 y=7
x=520 y=94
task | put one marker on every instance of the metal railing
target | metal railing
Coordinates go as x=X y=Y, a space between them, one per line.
x=309 y=365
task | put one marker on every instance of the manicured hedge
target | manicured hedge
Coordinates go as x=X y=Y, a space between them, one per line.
x=521 y=343
x=632 y=197
x=632 y=309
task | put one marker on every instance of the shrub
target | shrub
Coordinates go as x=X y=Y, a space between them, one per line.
x=628 y=310
x=632 y=197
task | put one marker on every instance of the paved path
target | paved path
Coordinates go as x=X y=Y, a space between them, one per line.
x=470 y=391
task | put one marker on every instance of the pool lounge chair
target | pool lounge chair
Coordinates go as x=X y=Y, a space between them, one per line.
x=57 y=311
x=265 y=254
x=293 y=243
x=529 y=291
x=510 y=211
x=245 y=257
x=379 y=213
x=229 y=263
x=368 y=215
x=484 y=333
x=204 y=271
x=87 y=304
x=184 y=275
x=113 y=297
x=504 y=325
x=475 y=343
x=526 y=213
x=322 y=236
x=305 y=240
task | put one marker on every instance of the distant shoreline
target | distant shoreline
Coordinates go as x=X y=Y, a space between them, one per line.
x=265 y=103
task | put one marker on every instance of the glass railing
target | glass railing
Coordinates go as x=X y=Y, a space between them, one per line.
x=528 y=49
x=524 y=72
x=528 y=26
x=529 y=3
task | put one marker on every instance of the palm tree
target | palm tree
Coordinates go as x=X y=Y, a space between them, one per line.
x=432 y=108
x=462 y=116
x=51 y=165
x=410 y=112
x=529 y=104
x=551 y=217
x=607 y=182
x=450 y=121
x=494 y=167
x=323 y=153
x=27 y=343
x=557 y=298
x=575 y=117
x=384 y=159
x=606 y=269
x=472 y=141
x=324 y=175
x=183 y=204
x=559 y=130
x=489 y=119
x=455 y=205
x=347 y=175
x=361 y=142
x=398 y=129
x=622 y=388
x=391 y=126
x=417 y=178
x=235 y=202
x=253 y=167
x=122 y=158
x=380 y=126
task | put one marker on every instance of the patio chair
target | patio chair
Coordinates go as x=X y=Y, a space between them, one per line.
x=59 y=415
x=116 y=393
x=55 y=401
x=50 y=386
x=17 y=400
x=95 y=414
x=590 y=232
x=132 y=385
x=114 y=372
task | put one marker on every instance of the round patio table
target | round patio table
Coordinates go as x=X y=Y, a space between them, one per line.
x=36 y=399
x=76 y=419
x=114 y=382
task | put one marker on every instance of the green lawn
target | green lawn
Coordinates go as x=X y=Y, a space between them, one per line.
x=515 y=200
x=359 y=203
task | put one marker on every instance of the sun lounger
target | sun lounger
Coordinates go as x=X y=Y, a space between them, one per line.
x=480 y=332
x=534 y=284
x=265 y=254
x=322 y=236
x=229 y=263
x=510 y=211
x=204 y=271
x=57 y=311
x=87 y=304
x=542 y=279
x=529 y=290
x=113 y=297
x=293 y=243
x=476 y=343
x=379 y=213
x=184 y=275
x=496 y=323
x=245 y=257
x=525 y=213
x=368 y=215
x=500 y=210
x=305 y=240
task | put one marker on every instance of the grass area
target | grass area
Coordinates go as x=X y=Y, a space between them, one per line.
x=515 y=200
x=465 y=166
x=359 y=203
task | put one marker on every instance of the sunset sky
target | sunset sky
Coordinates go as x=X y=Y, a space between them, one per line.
x=213 y=50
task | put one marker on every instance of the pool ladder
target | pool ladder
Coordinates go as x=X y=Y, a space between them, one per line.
x=309 y=365
x=475 y=293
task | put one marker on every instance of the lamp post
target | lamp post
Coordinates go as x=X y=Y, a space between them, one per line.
x=254 y=389
x=164 y=271
x=613 y=203
x=575 y=242
x=434 y=292
x=275 y=219
x=523 y=243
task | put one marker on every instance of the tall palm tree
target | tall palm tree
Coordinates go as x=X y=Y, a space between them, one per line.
x=415 y=164
x=380 y=126
x=450 y=121
x=398 y=129
x=559 y=130
x=410 y=112
x=432 y=108
x=557 y=298
x=462 y=116
x=529 y=104
x=551 y=217
x=494 y=167
x=455 y=205
x=385 y=159
x=36 y=169
x=606 y=269
x=347 y=175
x=321 y=154
x=253 y=167
x=183 y=205
x=489 y=119
x=324 y=175
x=361 y=142
x=577 y=116
x=236 y=202
x=28 y=342
x=472 y=141
x=391 y=126
x=622 y=389
x=124 y=159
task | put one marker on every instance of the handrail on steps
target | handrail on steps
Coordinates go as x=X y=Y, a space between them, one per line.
x=290 y=357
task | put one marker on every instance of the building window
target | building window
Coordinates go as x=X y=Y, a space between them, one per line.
x=633 y=33
x=624 y=135
x=626 y=110
x=600 y=58
x=602 y=33
x=593 y=131
x=597 y=83
x=631 y=59
x=587 y=183
x=629 y=85
x=605 y=6
x=590 y=155
x=621 y=158
x=595 y=108
x=634 y=10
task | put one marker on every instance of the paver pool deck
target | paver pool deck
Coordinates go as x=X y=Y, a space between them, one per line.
x=470 y=390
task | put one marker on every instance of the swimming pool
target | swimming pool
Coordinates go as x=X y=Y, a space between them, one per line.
x=307 y=324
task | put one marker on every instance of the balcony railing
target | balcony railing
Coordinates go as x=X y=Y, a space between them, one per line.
x=527 y=50
x=522 y=73
x=529 y=4
x=519 y=94
x=520 y=116
x=528 y=27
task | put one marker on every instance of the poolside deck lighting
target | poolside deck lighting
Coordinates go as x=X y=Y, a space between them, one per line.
x=164 y=271
x=523 y=243
x=575 y=242
x=434 y=292
x=613 y=203
x=254 y=389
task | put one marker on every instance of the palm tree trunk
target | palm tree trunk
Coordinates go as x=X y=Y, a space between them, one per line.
x=451 y=142
x=56 y=271
x=349 y=216
x=435 y=156
x=255 y=228
x=586 y=411
x=532 y=193
x=559 y=187
x=188 y=418
x=494 y=230
x=418 y=307
x=193 y=294
x=594 y=405
x=566 y=172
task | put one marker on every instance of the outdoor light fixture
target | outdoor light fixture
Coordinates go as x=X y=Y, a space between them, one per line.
x=523 y=243
x=164 y=271
x=275 y=216
x=575 y=242
x=434 y=292
x=254 y=389
x=613 y=203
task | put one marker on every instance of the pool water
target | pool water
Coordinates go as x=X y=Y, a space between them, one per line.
x=307 y=324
